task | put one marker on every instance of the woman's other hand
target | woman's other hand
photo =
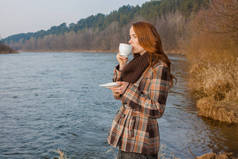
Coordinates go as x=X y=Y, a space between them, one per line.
x=122 y=61
x=117 y=91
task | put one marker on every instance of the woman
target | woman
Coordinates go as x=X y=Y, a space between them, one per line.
x=143 y=88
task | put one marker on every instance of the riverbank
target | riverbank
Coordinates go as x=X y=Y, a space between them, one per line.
x=217 y=156
x=4 y=49
x=78 y=50
x=214 y=85
x=211 y=49
x=169 y=52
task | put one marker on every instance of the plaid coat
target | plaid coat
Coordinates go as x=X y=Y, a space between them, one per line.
x=135 y=127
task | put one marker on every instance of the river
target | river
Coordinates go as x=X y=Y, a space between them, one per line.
x=51 y=101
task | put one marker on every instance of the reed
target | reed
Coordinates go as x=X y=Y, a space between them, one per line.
x=214 y=76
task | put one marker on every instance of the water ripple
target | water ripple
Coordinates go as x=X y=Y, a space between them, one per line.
x=52 y=101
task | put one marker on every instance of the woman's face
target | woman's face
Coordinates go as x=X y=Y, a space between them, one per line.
x=136 y=48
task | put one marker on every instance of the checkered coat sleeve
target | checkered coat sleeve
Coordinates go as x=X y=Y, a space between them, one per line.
x=135 y=127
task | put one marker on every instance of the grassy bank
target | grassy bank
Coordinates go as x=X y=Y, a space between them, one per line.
x=215 y=86
x=212 y=50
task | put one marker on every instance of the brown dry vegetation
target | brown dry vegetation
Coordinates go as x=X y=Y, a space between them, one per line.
x=216 y=156
x=5 y=49
x=212 y=50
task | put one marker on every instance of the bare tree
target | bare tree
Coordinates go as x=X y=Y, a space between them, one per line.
x=220 y=18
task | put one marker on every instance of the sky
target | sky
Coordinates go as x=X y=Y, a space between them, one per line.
x=22 y=16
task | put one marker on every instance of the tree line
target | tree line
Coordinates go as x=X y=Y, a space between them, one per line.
x=104 y=32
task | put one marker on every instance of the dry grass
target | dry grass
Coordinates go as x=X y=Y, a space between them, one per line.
x=214 y=76
x=218 y=80
x=216 y=156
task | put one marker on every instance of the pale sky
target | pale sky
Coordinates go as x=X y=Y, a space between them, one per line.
x=21 y=16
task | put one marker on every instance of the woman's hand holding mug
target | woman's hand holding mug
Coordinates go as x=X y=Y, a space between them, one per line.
x=122 y=60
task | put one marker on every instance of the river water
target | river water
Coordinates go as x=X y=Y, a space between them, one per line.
x=51 y=101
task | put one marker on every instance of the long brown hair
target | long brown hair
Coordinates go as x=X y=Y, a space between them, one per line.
x=149 y=39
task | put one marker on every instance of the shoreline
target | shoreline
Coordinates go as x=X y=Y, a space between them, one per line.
x=168 y=52
x=215 y=96
x=15 y=52
x=223 y=112
x=73 y=51
x=211 y=155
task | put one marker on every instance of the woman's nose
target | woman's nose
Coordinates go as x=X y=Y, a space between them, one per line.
x=129 y=41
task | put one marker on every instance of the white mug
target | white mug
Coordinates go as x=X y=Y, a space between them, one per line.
x=125 y=49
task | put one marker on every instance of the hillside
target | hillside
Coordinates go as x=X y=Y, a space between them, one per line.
x=104 y=32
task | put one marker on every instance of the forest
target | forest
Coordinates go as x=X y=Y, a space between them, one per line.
x=104 y=32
